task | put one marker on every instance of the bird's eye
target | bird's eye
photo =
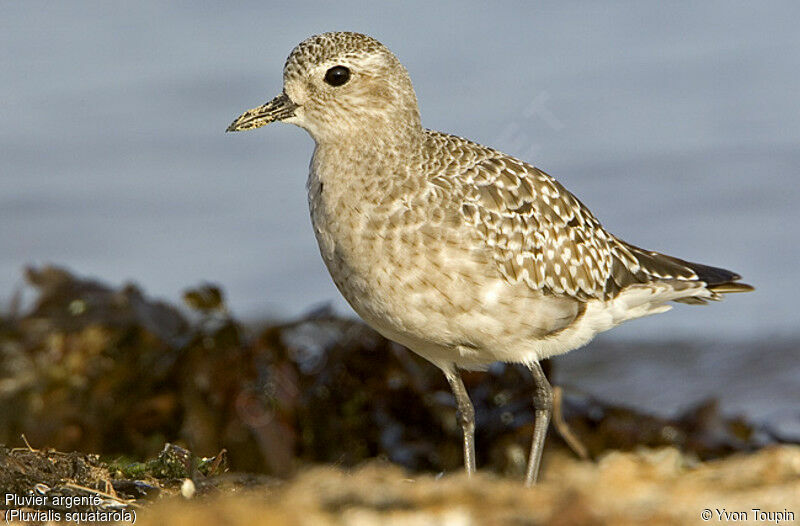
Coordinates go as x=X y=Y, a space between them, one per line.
x=337 y=75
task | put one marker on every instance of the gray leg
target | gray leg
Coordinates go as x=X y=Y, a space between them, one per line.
x=543 y=408
x=466 y=417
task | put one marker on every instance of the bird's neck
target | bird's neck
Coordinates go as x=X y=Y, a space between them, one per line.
x=364 y=171
x=368 y=153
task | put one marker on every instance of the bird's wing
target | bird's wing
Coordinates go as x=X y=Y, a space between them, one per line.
x=536 y=230
x=538 y=233
x=541 y=234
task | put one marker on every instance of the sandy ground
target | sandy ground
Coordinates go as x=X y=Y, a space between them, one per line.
x=645 y=487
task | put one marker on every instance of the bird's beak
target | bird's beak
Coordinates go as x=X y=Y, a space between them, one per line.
x=278 y=109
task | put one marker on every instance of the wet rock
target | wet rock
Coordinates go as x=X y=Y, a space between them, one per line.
x=68 y=304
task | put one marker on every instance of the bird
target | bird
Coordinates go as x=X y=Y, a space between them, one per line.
x=461 y=253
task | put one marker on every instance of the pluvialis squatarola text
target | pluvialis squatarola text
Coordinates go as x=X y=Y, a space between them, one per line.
x=463 y=254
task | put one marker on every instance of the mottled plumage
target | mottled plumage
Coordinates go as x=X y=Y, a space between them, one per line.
x=462 y=253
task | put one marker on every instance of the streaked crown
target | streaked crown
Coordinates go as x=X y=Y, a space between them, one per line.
x=349 y=84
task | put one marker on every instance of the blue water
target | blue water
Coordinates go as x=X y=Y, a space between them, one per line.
x=678 y=125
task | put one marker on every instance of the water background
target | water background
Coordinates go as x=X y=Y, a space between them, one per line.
x=677 y=124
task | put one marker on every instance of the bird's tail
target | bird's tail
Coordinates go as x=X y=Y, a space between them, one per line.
x=661 y=267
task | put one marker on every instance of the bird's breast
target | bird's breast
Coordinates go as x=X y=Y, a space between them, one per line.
x=388 y=258
x=356 y=240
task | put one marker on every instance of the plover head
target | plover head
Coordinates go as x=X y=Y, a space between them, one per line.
x=337 y=86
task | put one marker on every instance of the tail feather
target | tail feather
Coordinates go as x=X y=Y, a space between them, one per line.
x=718 y=279
x=732 y=288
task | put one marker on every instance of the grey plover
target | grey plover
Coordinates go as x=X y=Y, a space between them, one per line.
x=463 y=254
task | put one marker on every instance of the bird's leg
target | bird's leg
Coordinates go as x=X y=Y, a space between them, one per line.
x=466 y=417
x=543 y=408
x=560 y=425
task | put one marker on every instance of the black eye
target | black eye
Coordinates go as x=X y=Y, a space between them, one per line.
x=337 y=75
